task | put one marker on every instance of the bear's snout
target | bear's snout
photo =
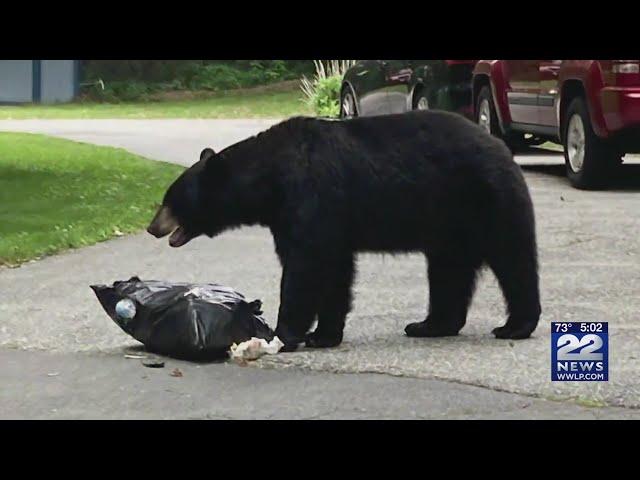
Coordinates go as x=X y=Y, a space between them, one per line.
x=163 y=223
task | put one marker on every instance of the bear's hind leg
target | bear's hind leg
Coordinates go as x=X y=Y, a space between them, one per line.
x=516 y=271
x=334 y=303
x=451 y=285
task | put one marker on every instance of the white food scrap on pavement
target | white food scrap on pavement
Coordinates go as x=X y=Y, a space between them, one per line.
x=255 y=348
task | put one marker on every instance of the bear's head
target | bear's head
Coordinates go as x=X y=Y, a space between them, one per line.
x=194 y=204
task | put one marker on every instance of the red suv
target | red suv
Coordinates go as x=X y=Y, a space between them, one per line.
x=591 y=107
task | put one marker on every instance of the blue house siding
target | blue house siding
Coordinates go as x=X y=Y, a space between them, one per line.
x=38 y=81
x=16 y=81
x=58 y=80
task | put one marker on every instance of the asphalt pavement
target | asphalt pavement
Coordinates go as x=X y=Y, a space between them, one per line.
x=50 y=321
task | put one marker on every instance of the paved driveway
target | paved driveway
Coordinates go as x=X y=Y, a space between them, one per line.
x=178 y=141
x=589 y=250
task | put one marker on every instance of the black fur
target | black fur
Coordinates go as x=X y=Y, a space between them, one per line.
x=423 y=181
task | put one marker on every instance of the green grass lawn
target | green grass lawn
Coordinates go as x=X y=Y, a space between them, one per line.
x=252 y=103
x=57 y=194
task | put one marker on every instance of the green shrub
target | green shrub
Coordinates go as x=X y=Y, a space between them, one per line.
x=261 y=72
x=165 y=71
x=115 y=92
x=215 y=77
x=226 y=77
x=326 y=99
x=136 y=80
x=323 y=91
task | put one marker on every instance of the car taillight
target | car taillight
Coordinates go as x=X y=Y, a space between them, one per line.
x=627 y=72
x=627 y=67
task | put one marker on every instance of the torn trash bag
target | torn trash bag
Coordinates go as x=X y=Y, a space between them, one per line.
x=182 y=320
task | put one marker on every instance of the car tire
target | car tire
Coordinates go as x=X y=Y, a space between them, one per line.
x=487 y=118
x=348 y=108
x=590 y=162
x=421 y=101
x=486 y=115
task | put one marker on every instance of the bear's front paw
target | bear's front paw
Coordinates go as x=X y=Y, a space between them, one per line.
x=288 y=347
x=290 y=340
x=514 y=332
x=429 y=328
x=323 y=340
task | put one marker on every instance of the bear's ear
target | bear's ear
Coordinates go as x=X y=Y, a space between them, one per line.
x=215 y=167
x=207 y=153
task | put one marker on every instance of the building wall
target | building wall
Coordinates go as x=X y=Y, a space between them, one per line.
x=16 y=81
x=57 y=81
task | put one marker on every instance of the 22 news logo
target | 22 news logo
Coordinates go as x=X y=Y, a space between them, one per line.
x=580 y=351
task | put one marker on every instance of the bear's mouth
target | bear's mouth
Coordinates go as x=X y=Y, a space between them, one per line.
x=164 y=223
x=179 y=237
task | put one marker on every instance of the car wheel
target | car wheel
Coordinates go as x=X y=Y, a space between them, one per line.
x=421 y=102
x=485 y=112
x=487 y=118
x=589 y=160
x=348 y=107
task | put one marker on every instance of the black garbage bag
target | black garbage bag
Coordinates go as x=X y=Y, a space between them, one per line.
x=182 y=320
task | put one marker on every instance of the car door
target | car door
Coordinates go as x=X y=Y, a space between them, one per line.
x=369 y=81
x=524 y=86
x=398 y=75
x=548 y=92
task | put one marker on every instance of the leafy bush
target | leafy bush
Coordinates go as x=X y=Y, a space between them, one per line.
x=323 y=91
x=215 y=77
x=163 y=71
x=115 y=92
x=135 y=80
x=326 y=99
x=149 y=71
x=226 y=77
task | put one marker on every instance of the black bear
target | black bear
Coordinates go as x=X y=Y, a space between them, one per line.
x=428 y=181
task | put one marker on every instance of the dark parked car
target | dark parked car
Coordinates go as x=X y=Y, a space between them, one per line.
x=590 y=107
x=379 y=87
